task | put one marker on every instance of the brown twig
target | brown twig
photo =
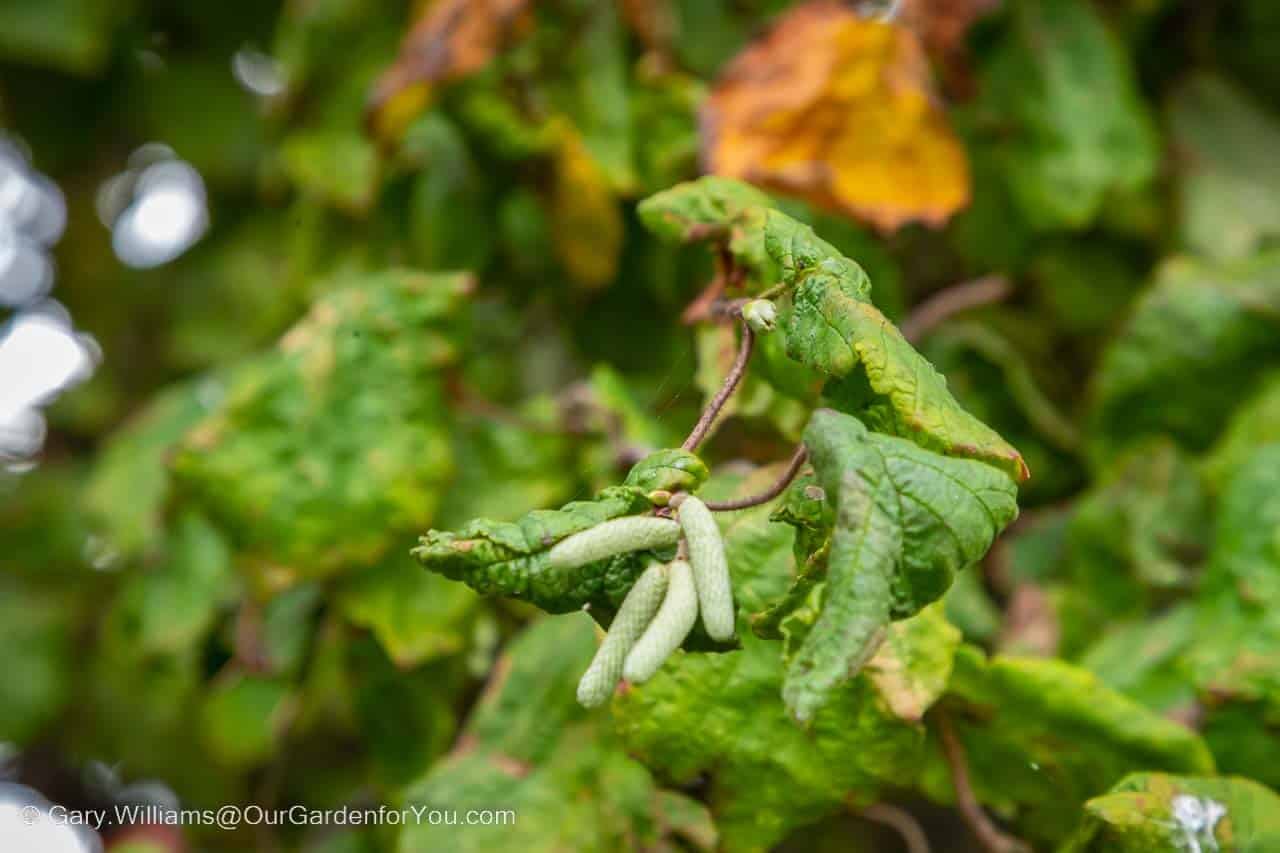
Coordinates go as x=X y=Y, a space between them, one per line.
x=902 y=821
x=991 y=837
x=951 y=301
x=729 y=276
x=793 y=468
x=722 y=396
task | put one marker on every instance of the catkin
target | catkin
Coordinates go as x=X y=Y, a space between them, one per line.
x=617 y=536
x=710 y=568
x=643 y=600
x=672 y=623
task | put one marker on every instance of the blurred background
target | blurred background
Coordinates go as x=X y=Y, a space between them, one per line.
x=283 y=284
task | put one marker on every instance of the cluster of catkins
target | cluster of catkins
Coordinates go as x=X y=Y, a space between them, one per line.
x=663 y=604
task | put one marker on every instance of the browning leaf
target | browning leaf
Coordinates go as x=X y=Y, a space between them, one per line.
x=449 y=40
x=838 y=110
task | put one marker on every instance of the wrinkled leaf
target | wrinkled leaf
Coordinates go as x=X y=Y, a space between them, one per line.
x=1149 y=812
x=721 y=717
x=838 y=109
x=510 y=558
x=831 y=325
x=905 y=520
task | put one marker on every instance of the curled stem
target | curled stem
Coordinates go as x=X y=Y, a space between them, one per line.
x=793 y=467
x=722 y=396
x=991 y=837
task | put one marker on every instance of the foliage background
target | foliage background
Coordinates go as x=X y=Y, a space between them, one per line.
x=205 y=581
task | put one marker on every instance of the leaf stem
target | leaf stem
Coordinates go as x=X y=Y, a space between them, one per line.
x=953 y=300
x=991 y=837
x=793 y=467
x=722 y=396
x=902 y=822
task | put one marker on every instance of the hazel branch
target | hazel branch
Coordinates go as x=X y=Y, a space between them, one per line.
x=793 y=467
x=727 y=388
x=951 y=301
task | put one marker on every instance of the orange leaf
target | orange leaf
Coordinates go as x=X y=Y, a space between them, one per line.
x=451 y=39
x=839 y=110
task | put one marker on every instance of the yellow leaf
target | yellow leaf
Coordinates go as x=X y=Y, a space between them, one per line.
x=586 y=222
x=839 y=110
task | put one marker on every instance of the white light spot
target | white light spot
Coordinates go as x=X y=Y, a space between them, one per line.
x=40 y=356
x=257 y=72
x=21 y=437
x=27 y=825
x=26 y=271
x=167 y=216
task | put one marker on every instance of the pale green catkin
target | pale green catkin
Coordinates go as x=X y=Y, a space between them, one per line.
x=617 y=536
x=672 y=623
x=637 y=609
x=710 y=568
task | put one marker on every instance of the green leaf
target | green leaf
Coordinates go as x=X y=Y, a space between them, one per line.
x=242 y=720
x=1198 y=343
x=510 y=558
x=68 y=35
x=831 y=324
x=416 y=616
x=1134 y=539
x=448 y=216
x=1042 y=736
x=1144 y=659
x=1238 y=625
x=404 y=715
x=1149 y=812
x=130 y=482
x=170 y=609
x=1230 y=189
x=670 y=470
x=530 y=748
x=335 y=166
x=328 y=449
x=905 y=521
x=37 y=656
x=721 y=718
x=1256 y=423
x=1065 y=115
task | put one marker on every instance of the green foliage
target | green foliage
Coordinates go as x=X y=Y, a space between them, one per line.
x=1153 y=811
x=491 y=301
x=1042 y=736
x=1066 y=119
x=831 y=324
x=903 y=521
x=1204 y=328
x=323 y=450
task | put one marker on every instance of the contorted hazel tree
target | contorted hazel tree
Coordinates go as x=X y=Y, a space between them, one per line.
x=894 y=489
